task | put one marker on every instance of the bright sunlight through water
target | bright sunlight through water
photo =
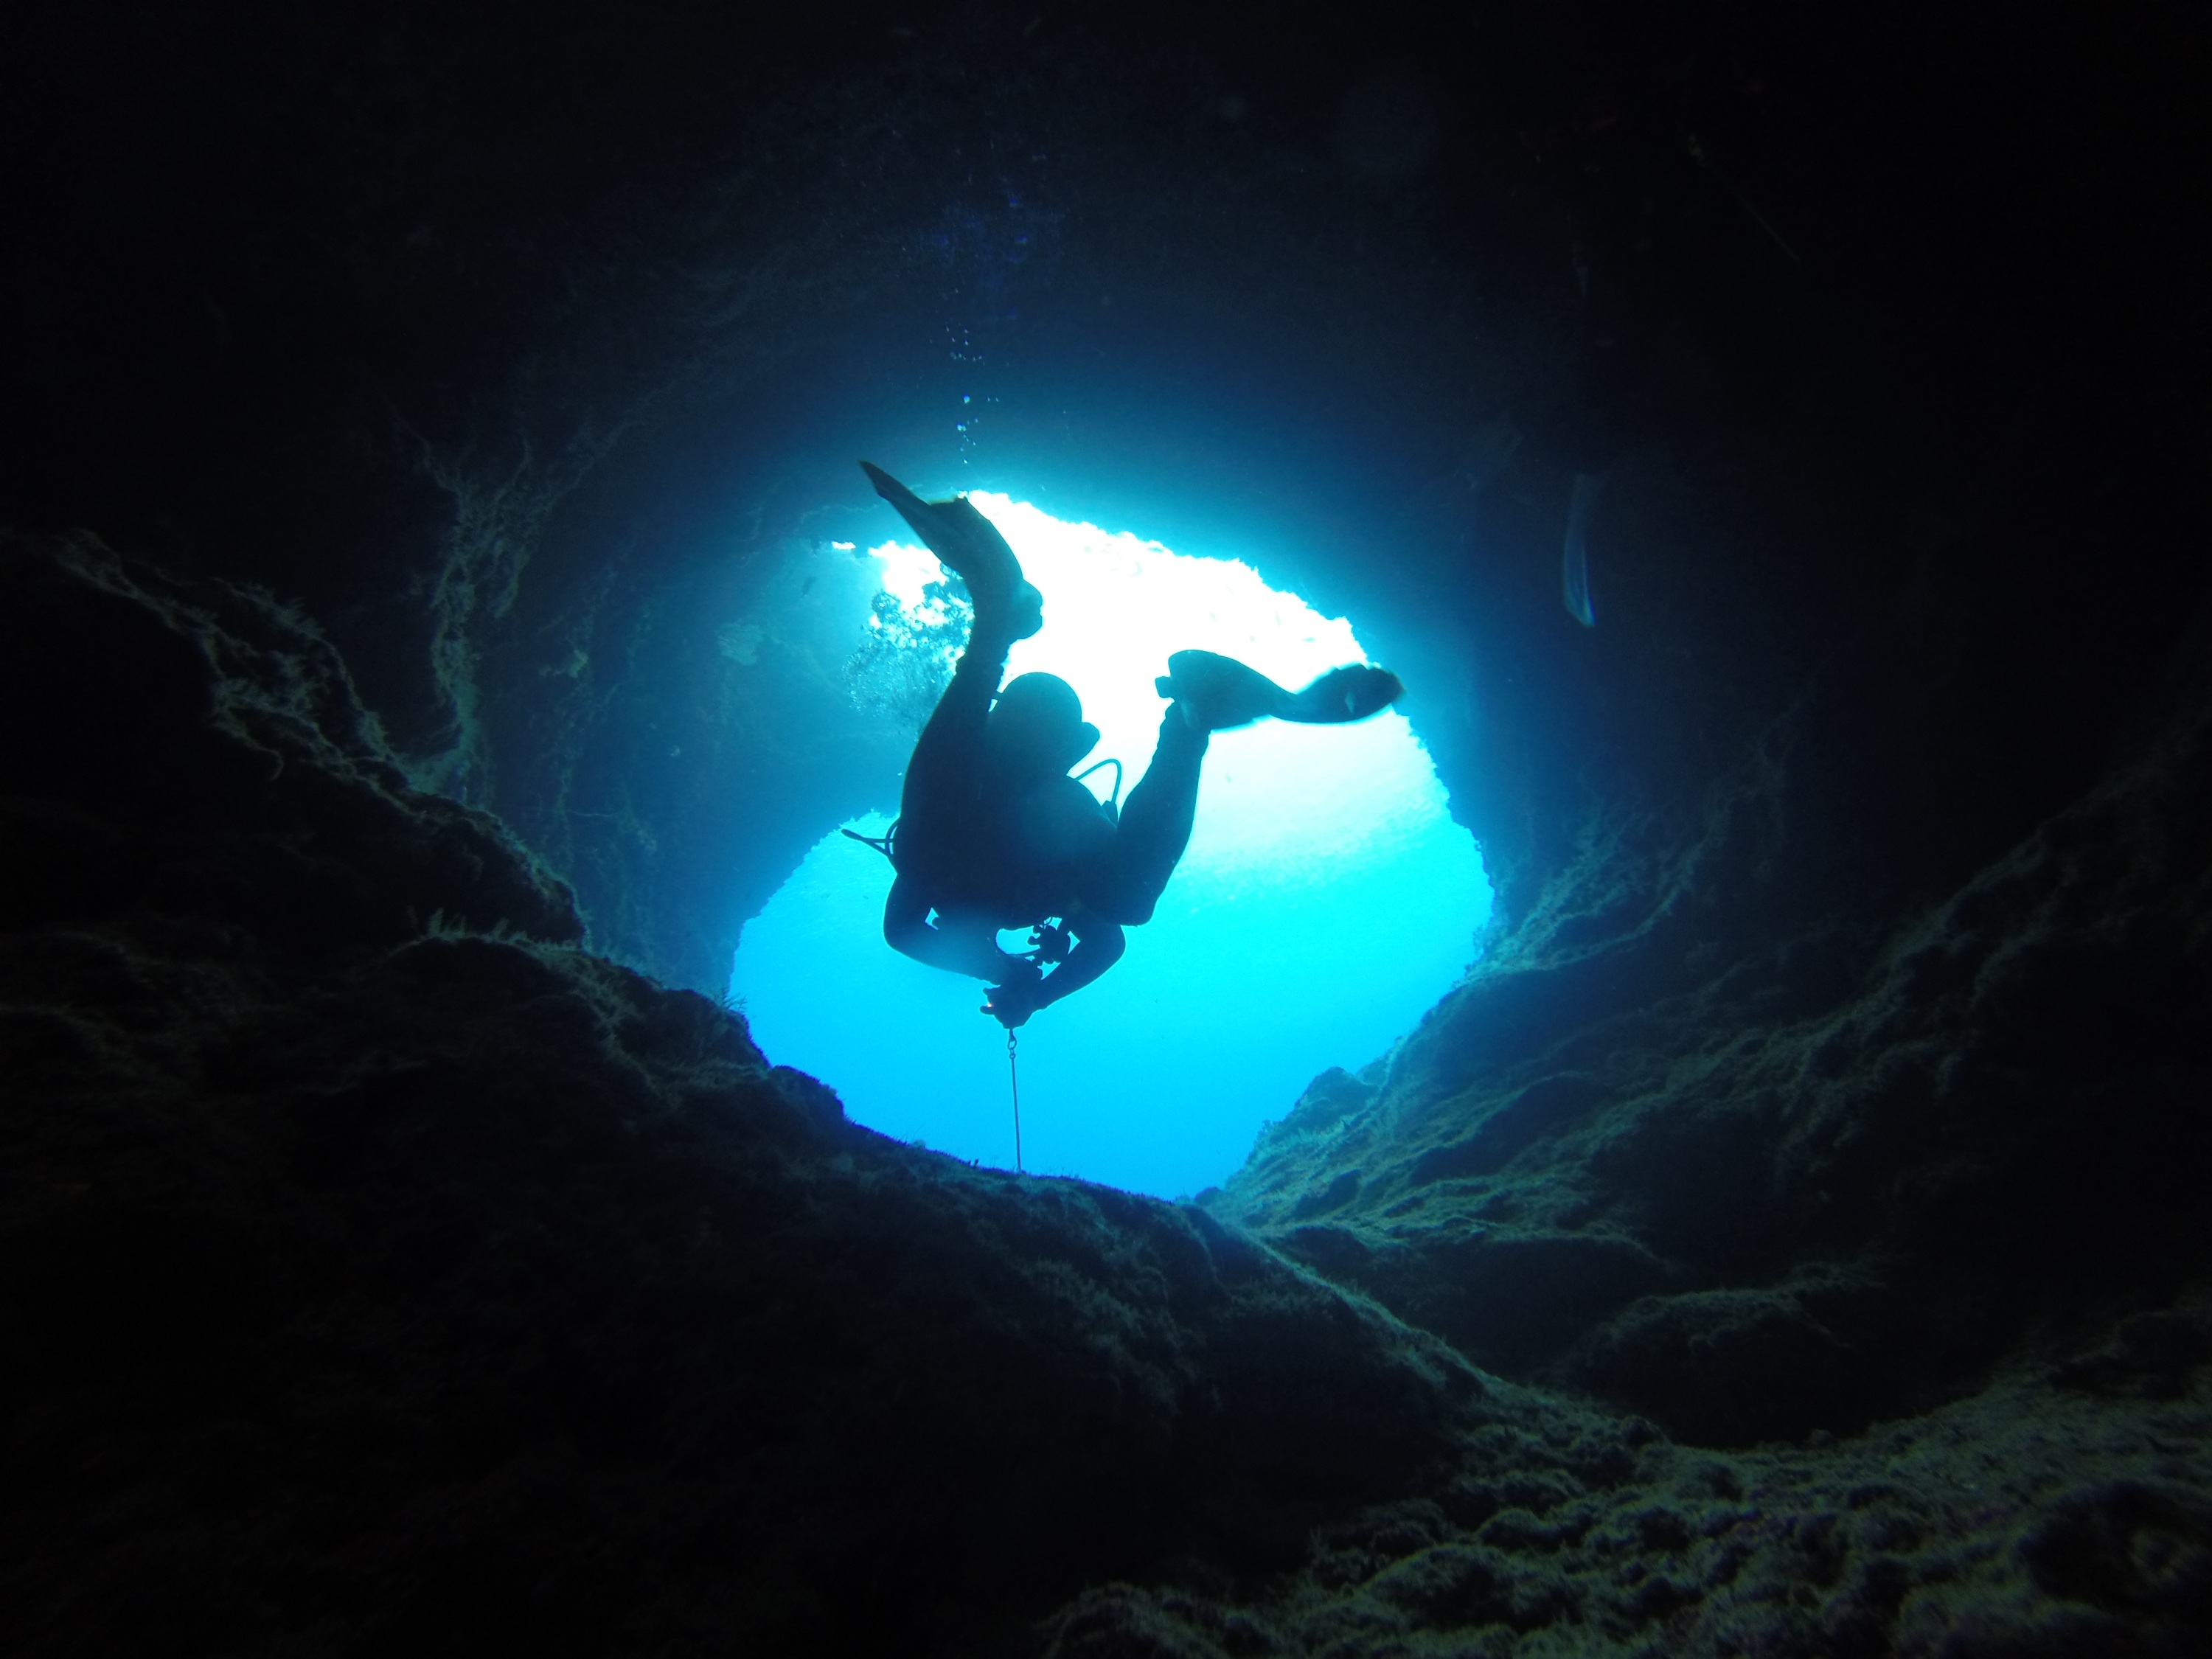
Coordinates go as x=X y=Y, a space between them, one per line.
x=1327 y=900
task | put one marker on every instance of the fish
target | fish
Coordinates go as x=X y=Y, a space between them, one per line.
x=1573 y=574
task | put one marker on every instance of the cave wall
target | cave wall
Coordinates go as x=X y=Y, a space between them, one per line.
x=1811 y=1189
x=385 y=1270
x=1850 y=489
x=1789 y=1240
x=425 y=1281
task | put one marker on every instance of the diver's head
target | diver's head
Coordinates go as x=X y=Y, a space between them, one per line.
x=1037 y=726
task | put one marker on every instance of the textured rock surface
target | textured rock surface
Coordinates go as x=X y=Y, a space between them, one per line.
x=1823 y=1186
x=381 y=1284
x=2033 y=1520
x=386 y=1272
x=1791 y=1243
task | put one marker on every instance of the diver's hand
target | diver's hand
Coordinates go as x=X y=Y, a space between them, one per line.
x=1022 y=995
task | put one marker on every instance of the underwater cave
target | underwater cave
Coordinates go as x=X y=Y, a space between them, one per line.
x=1684 y=1133
x=1326 y=900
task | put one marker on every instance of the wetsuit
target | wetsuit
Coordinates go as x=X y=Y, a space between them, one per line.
x=993 y=832
x=989 y=838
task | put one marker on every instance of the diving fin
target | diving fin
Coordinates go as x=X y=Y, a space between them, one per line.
x=911 y=507
x=1345 y=695
x=1219 y=693
x=969 y=545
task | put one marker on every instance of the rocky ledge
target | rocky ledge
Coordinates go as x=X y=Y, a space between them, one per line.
x=387 y=1272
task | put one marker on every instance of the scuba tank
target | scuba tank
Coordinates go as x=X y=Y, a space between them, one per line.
x=887 y=843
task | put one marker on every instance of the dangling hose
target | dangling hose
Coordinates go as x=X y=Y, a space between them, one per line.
x=1014 y=1082
x=882 y=843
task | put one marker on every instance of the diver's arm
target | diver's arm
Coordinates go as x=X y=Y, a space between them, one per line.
x=1098 y=946
x=970 y=949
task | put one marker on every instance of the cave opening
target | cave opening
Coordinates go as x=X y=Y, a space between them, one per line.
x=1328 y=898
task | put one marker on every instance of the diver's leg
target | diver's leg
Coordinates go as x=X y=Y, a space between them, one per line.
x=942 y=794
x=961 y=942
x=946 y=768
x=1155 y=826
x=945 y=773
x=942 y=778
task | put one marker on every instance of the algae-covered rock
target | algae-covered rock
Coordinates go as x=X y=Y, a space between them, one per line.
x=383 y=1265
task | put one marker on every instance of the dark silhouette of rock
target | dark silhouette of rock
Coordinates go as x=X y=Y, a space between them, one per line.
x=1788 y=1241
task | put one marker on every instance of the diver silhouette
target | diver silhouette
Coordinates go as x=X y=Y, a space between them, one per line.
x=994 y=834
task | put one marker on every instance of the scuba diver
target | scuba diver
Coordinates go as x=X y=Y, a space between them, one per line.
x=994 y=833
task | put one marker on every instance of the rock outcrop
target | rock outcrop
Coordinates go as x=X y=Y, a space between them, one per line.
x=1834 y=1181
x=386 y=1271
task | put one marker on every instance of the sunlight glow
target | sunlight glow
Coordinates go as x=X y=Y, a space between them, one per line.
x=1326 y=902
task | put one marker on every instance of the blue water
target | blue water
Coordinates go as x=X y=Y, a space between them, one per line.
x=1327 y=900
